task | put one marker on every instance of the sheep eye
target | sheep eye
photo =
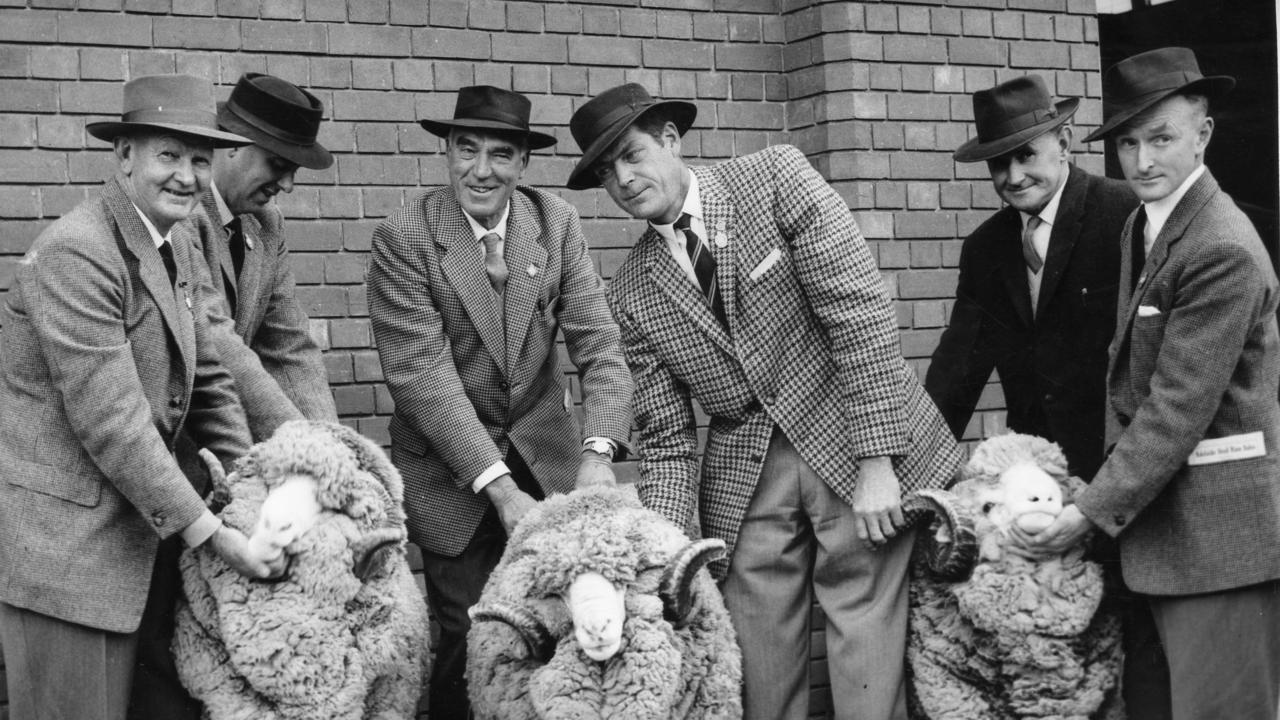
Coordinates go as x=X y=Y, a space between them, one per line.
x=986 y=507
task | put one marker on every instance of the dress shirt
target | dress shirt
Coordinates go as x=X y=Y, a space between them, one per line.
x=675 y=241
x=1158 y=211
x=1040 y=239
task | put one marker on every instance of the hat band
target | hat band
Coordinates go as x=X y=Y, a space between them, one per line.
x=1154 y=83
x=1017 y=123
x=274 y=131
x=178 y=116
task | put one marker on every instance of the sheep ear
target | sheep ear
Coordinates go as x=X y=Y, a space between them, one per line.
x=676 y=586
x=539 y=643
x=948 y=544
x=371 y=554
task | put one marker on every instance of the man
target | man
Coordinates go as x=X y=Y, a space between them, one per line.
x=1191 y=487
x=1037 y=293
x=753 y=292
x=107 y=358
x=468 y=285
x=247 y=258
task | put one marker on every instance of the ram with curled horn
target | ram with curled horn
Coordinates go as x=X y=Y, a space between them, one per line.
x=602 y=608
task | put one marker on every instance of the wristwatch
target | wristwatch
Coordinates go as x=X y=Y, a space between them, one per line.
x=599 y=446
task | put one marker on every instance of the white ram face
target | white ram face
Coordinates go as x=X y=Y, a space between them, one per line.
x=288 y=512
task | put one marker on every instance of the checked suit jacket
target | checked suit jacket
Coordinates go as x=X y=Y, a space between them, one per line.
x=1053 y=364
x=267 y=315
x=468 y=385
x=812 y=347
x=1196 y=356
x=102 y=365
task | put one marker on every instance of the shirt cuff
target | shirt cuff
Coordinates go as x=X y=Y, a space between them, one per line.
x=195 y=534
x=494 y=472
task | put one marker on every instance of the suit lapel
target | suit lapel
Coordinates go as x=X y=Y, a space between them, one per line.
x=463 y=265
x=671 y=282
x=1013 y=268
x=718 y=216
x=251 y=273
x=526 y=262
x=1063 y=235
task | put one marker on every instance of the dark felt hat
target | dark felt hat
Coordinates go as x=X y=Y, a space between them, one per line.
x=597 y=124
x=1138 y=82
x=176 y=103
x=484 y=107
x=277 y=116
x=1012 y=114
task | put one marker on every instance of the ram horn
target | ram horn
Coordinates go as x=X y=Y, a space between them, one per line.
x=946 y=543
x=220 y=490
x=372 y=553
x=537 y=640
x=676 y=586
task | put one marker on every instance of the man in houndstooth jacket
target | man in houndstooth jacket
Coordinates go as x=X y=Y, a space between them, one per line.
x=466 y=327
x=817 y=424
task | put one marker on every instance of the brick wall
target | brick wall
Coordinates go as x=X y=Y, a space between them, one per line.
x=876 y=93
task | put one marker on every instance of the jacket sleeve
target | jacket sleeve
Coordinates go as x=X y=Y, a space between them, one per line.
x=417 y=357
x=963 y=360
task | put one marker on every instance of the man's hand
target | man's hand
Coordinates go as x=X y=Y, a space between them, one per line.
x=877 y=501
x=1065 y=533
x=595 y=469
x=233 y=547
x=511 y=502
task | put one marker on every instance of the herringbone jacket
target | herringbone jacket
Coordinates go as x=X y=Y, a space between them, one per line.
x=812 y=348
x=103 y=364
x=468 y=386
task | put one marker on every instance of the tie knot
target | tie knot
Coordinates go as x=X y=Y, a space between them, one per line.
x=683 y=222
x=233 y=226
x=491 y=241
x=1033 y=222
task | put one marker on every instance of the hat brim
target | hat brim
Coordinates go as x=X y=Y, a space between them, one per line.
x=974 y=150
x=1214 y=86
x=312 y=156
x=442 y=128
x=583 y=178
x=110 y=130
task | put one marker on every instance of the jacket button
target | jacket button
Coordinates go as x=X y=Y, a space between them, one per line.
x=1119 y=520
x=158 y=519
x=175 y=401
x=504 y=386
x=1048 y=397
x=1123 y=419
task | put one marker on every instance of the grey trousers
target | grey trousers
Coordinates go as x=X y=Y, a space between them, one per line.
x=798 y=541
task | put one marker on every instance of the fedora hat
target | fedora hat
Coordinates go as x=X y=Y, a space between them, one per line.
x=1138 y=82
x=1012 y=114
x=596 y=125
x=177 y=103
x=277 y=116
x=484 y=107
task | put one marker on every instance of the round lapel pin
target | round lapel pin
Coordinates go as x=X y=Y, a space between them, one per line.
x=533 y=271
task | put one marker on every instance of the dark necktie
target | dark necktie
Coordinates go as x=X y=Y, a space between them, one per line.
x=1139 y=248
x=1029 y=253
x=494 y=263
x=166 y=254
x=237 y=246
x=704 y=266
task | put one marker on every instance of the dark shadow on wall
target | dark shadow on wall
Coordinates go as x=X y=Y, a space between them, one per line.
x=1236 y=38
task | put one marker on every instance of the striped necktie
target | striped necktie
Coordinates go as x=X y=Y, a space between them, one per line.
x=704 y=267
x=494 y=263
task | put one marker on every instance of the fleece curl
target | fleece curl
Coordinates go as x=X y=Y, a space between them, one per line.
x=323 y=642
x=663 y=672
x=1018 y=638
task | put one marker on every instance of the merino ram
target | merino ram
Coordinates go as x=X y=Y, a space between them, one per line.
x=601 y=608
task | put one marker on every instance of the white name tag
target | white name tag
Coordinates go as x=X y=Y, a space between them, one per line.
x=1226 y=449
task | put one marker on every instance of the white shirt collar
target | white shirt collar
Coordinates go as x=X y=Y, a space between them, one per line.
x=225 y=215
x=481 y=231
x=1158 y=211
x=1050 y=210
x=155 y=234
x=692 y=205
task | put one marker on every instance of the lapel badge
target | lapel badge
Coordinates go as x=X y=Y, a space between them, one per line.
x=721 y=239
x=248 y=241
x=533 y=271
x=1142 y=279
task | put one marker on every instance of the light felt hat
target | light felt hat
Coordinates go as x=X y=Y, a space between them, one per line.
x=176 y=103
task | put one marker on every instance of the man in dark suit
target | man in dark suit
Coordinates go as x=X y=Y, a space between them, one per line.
x=107 y=357
x=1036 y=299
x=246 y=254
x=753 y=292
x=1191 y=485
x=469 y=286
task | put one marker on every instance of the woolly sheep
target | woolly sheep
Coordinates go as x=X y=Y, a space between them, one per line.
x=601 y=608
x=1013 y=638
x=343 y=636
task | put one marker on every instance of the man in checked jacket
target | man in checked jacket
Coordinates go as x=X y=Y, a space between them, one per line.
x=774 y=318
x=468 y=286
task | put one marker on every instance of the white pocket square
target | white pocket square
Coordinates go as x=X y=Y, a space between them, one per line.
x=1148 y=311
x=769 y=261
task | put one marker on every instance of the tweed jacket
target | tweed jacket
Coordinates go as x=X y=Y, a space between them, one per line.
x=1195 y=357
x=1053 y=364
x=103 y=364
x=811 y=347
x=267 y=316
x=468 y=386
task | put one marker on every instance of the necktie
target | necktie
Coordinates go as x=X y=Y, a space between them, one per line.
x=704 y=266
x=1029 y=254
x=494 y=264
x=237 y=246
x=166 y=254
x=1139 y=248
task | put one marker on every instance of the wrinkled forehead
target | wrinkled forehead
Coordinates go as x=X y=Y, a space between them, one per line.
x=492 y=139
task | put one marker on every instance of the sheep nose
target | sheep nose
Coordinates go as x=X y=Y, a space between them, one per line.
x=598 y=628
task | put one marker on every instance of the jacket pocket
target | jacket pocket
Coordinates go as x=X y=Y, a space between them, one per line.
x=80 y=488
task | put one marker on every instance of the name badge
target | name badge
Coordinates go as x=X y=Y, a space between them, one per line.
x=1226 y=449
